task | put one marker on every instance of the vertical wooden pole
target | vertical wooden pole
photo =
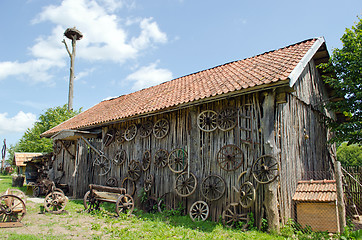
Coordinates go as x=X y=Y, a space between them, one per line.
x=71 y=77
x=340 y=203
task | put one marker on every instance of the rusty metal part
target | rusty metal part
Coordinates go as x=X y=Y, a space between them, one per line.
x=265 y=169
x=185 y=184
x=124 y=204
x=146 y=160
x=160 y=158
x=148 y=183
x=233 y=217
x=230 y=157
x=129 y=185
x=177 y=160
x=213 y=187
x=145 y=129
x=161 y=128
x=207 y=121
x=130 y=132
x=112 y=182
x=12 y=209
x=199 y=211
x=227 y=119
x=121 y=157
x=55 y=202
x=134 y=170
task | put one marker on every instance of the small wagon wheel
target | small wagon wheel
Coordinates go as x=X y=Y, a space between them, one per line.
x=161 y=128
x=146 y=160
x=36 y=191
x=246 y=194
x=227 y=119
x=112 y=182
x=265 y=169
x=134 y=170
x=57 y=147
x=124 y=204
x=199 y=211
x=104 y=164
x=109 y=137
x=121 y=157
x=161 y=158
x=130 y=132
x=164 y=203
x=151 y=205
x=12 y=208
x=207 y=121
x=146 y=129
x=55 y=202
x=119 y=136
x=177 y=160
x=232 y=216
x=213 y=187
x=90 y=202
x=129 y=185
x=230 y=157
x=148 y=183
x=185 y=185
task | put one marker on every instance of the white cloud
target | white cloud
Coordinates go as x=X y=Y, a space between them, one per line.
x=83 y=74
x=149 y=76
x=150 y=31
x=19 y=123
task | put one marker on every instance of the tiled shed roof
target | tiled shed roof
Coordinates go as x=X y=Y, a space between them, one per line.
x=316 y=191
x=264 y=69
x=20 y=158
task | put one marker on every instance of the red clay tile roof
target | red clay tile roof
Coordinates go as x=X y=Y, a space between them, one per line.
x=266 y=68
x=316 y=191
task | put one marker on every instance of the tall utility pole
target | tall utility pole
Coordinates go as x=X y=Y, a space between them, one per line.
x=74 y=35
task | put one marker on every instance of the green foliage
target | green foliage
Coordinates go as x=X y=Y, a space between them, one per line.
x=350 y=155
x=346 y=68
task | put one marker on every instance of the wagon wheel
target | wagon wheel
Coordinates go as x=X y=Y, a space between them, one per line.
x=57 y=147
x=161 y=128
x=161 y=158
x=207 y=121
x=148 y=183
x=242 y=178
x=119 y=136
x=15 y=192
x=213 y=187
x=232 y=216
x=129 y=185
x=146 y=160
x=112 y=182
x=134 y=170
x=199 y=211
x=90 y=202
x=185 y=185
x=109 y=137
x=146 y=129
x=12 y=208
x=177 y=160
x=151 y=205
x=230 y=157
x=246 y=194
x=55 y=202
x=121 y=157
x=130 y=132
x=104 y=164
x=36 y=191
x=124 y=204
x=265 y=169
x=227 y=119
x=164 y=202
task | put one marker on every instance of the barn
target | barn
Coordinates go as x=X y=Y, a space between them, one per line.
x=232 y=139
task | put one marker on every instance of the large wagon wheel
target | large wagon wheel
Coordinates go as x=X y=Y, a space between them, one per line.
x=230 y=157
x=265 y=169
x=177 y=160
x=90 y=202
x=124 y=204
x=161 y=128
x=134 y=170
x=112 y=182
x=207 y=121
x=232 y=216
x=12 y=208
x=121 y=157
x=109 y=137
x=55 y=202
x=151 y=205
x=129 y=185
x=146 y=160
x=199 y=211
x=161 y=158
x=185 y=184
x=145 y=129
x=104 y=164
x=130 y=132
x=246 y=194
x=213 y=187
x=227 y=119
x=148 y=183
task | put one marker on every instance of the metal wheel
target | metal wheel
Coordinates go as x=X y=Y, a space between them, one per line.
x=129 y=185
x=161 y=128
x=121 y=157
x=177 y=160
x=233 y=217
x=230 y=157
x=104 y=164
x=109 y=137
x=151 y=205
x=161 y=157
x=265 y=169
x=146 y=160
x=112 y=182
x=185 y=184
x=227 y=119
x=246 y=194
x=207 y=121
x=213 y=187
x=146 y=129
x=130 y=132
x=12 y=208
x=148 y=183
x=134 y=170
x=55 y=202
x=90 y=202
x=199 y=211
x=124 y=204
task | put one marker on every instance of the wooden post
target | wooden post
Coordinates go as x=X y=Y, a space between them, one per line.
x=340 y=203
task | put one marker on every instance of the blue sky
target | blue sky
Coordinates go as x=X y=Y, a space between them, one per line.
x=129 y=45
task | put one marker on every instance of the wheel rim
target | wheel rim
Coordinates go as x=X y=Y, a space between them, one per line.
x=160 y=158
x=124 y=204
x=130 y=132
x=185 y=185
x=55 y=202
x=146 y=160
x=121 y=157
x=265 y=169
x=12 y=208
x=207 y=121
x=161 y=128
x=213 y=187
x=230 y=157
x=227 y=119
x=104 y=165
x=247 y=194
x=177 y=160
x=199 y=211
x=146 y=129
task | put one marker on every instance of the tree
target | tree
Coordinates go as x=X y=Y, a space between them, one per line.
x=345 y=66
x=349 y=155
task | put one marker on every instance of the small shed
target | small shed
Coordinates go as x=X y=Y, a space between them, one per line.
x=316 y=205
x=20 y=159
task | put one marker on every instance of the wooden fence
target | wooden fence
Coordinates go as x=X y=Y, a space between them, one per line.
x=353 y=188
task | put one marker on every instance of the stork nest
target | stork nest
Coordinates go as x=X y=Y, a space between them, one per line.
x=70 y=32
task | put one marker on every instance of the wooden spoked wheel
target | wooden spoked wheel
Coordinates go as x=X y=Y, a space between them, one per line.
x=265 y=169
x=230 y=157
x=185 y=184
x=130 y=132
x=121 y=157
x=129 y=185
x=104 y=165
x=151 y=205
x=148 y=183
x=177 y=160
x=232 y=216
x=207 y=121
x=227 y=119
x=112 y=182
x=124 y=204
x=90 y=202
x=213 y=187
x=146 y=160
x=160 y=158
x=55 y=202
x=119 y=136
x=199 y=211
x=134 y=170
x=12 y=208
x=161 y=128
x=57 y=147
x=164 y=203
x=109 y=137
x=146 y=129
x=246 y=194
x=242 y=178
x=16 y=192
